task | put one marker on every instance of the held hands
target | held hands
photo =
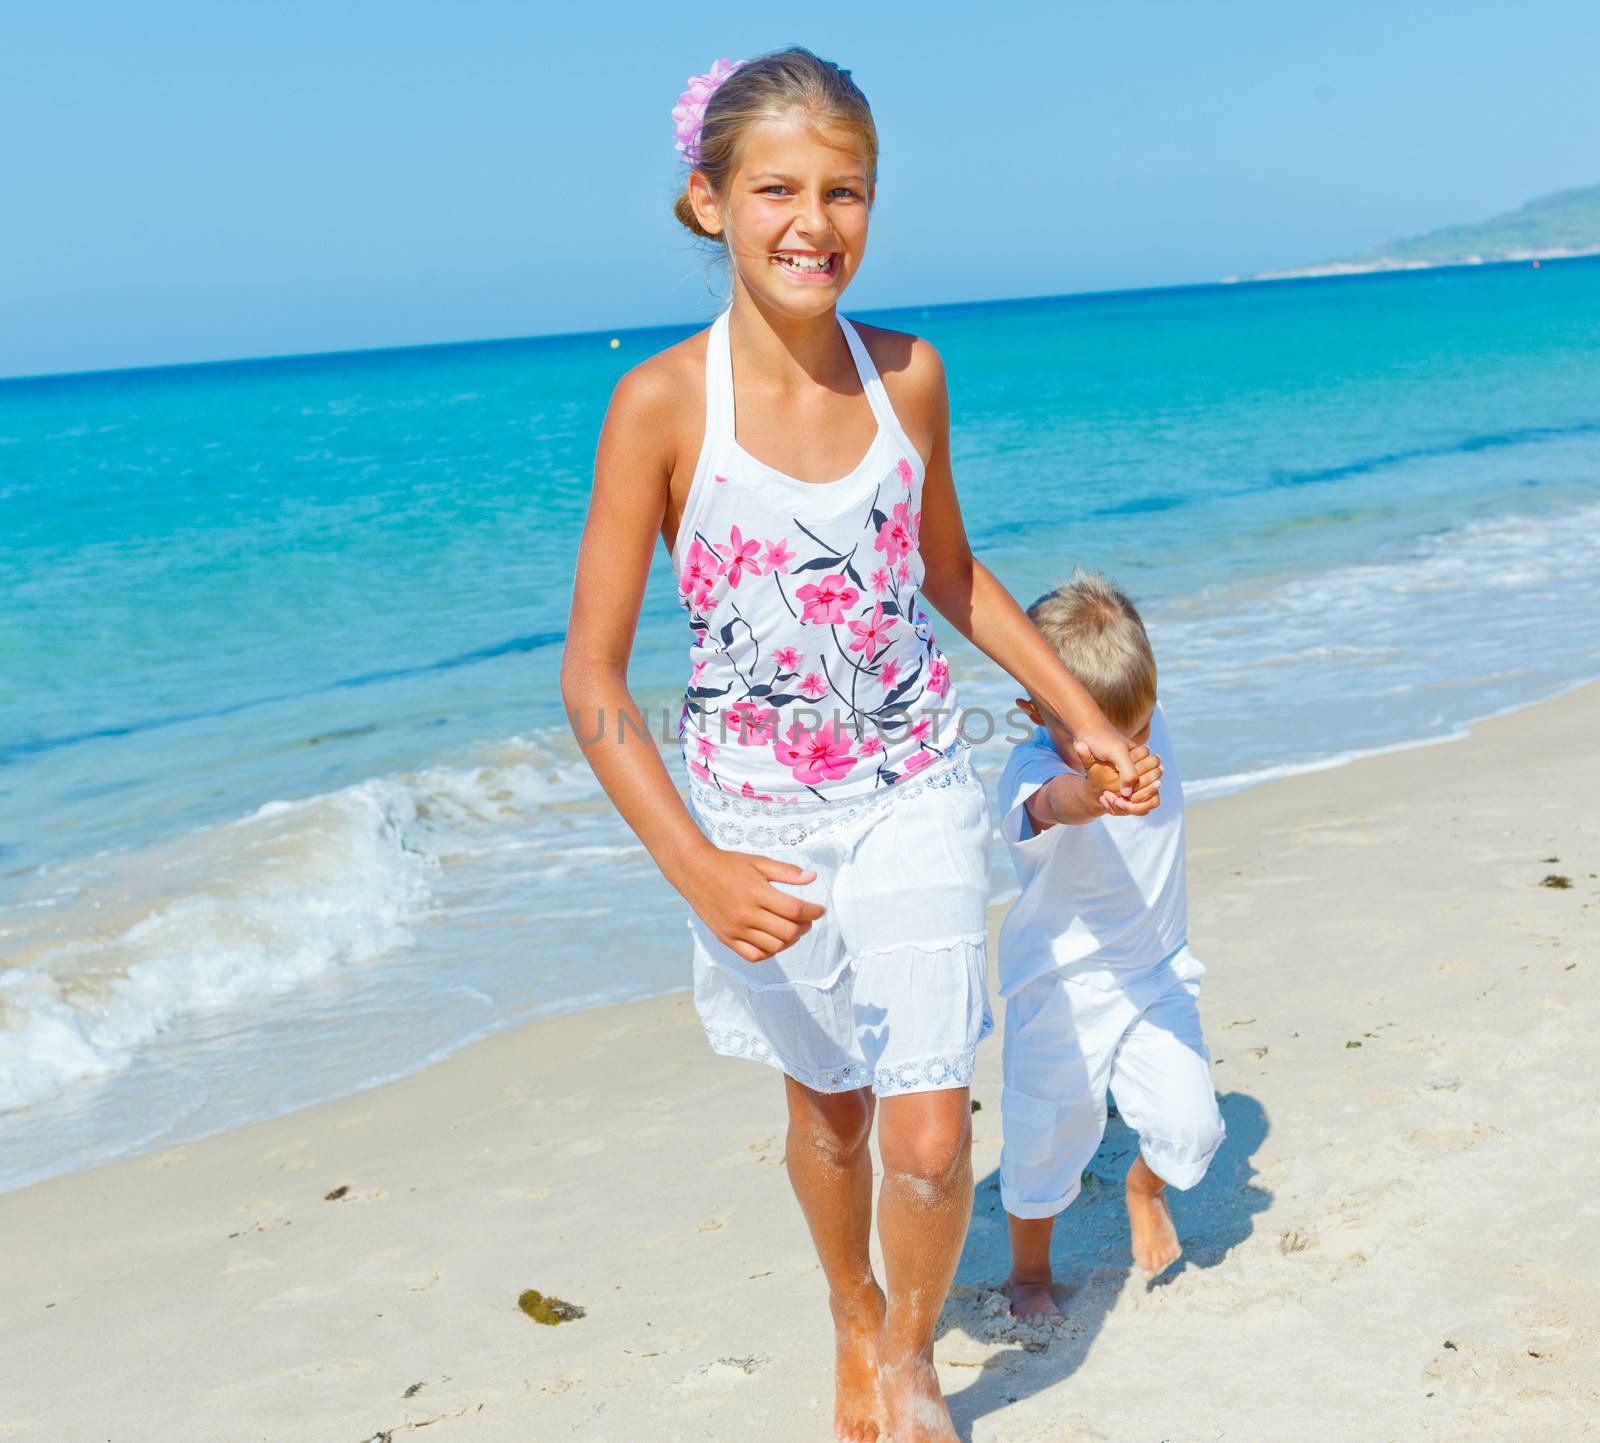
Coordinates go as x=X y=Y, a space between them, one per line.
x=1102 y=783
x=733 y=895
x=1102 y=742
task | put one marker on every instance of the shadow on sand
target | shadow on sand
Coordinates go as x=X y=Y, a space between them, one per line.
x=1090 y=1255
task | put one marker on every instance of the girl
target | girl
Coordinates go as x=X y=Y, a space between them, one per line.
x=836 y=859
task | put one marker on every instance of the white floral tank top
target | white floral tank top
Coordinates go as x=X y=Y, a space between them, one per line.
x=813 y=670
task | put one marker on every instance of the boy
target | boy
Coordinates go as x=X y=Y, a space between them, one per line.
x=1100 y=985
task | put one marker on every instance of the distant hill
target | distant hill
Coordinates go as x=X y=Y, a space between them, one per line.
x=1564 y=224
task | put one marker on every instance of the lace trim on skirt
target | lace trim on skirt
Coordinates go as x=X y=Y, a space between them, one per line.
x=921 y=1074
x=746 y=823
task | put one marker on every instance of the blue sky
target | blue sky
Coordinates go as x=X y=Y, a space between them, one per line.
x=189 y=181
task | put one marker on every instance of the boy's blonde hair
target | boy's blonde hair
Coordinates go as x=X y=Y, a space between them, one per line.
x=1097 y=632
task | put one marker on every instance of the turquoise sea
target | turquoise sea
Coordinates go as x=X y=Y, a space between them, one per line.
x=287 y=800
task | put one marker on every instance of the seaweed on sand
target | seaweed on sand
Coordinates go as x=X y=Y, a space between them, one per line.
x=548 y=1311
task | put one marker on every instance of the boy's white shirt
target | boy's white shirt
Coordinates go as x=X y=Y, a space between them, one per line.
x=1101 y=902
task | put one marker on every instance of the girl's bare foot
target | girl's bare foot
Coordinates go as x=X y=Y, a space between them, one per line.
x=1031 y=1299
x=1155 y=1240
x=858 y=1412
x=916 y=1408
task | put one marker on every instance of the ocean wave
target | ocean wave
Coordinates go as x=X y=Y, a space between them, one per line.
x=111 y=952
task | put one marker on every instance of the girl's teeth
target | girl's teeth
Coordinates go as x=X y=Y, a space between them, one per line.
x=806 y=263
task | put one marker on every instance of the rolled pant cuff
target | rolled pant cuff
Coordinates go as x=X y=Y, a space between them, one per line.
x=1176 y=1171
x=1027 y=1208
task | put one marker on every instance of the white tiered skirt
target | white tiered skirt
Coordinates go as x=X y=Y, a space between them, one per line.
x=888 y=990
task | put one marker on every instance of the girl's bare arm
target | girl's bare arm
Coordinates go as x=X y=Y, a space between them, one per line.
x=965 y=591
x=731 y=891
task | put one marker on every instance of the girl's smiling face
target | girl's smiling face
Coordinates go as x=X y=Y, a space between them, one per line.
x=794 y=218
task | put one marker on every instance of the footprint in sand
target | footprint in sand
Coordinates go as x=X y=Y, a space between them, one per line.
x=294 y=1298
x=289 y=1149
x=1051 y=1430
x=724 y=1373
x=329 y=1370
x=764 y=1152
x=343 y=1195
x=1450 y=1139
x=239 y=1262
x=564 y=1384
x=720 y=1221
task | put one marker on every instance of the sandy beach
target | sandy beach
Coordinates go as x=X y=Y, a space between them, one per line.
x=1396 y=1242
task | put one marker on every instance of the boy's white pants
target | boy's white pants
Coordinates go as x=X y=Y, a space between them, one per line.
x=1065 y=1043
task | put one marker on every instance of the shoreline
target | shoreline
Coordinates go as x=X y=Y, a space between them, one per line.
x=1397 y=1007
x=1199 y=793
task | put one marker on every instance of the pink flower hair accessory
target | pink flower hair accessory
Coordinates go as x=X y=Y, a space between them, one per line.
x=689 y=114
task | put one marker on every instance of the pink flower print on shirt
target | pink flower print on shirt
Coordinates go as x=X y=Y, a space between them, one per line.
x=707 y=748
x=778 y=556
x=720 y=480
x=788 y=658
x=903 y=571
x=872 y=633
x=889 y=673
x=739 y=556
x=895 y=536
x=880 y=580
x=825 y=601
x=757 y=724
x=898 y=535
x=813 y=687
x=694 y=673
x=917 y=761
x=939 y=676
x=919 y=733
x=700 y=572
x=871 y=746
x=700 y=771
x=749 y=790
x=907 y=475
x=823 y=755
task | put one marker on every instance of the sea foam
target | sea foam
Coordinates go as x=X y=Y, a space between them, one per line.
x=109 y=954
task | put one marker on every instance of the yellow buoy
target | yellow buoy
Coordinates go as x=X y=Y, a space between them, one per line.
x=615 y=343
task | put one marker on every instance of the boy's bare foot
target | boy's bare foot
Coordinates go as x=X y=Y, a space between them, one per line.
x=915 y=1406
x=1155 y=1241
x=1028 y=1287
x=858 y=1412
x=1032 y=1300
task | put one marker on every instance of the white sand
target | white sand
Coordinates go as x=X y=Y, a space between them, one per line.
x=1397 y=1241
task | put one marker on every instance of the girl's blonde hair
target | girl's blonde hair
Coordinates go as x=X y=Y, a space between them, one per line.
x=1098 y=633
x=766 y=89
